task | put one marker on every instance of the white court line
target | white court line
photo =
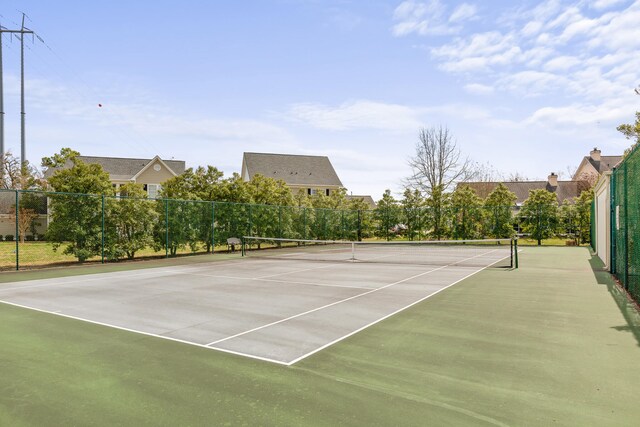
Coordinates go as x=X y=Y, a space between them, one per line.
x=86 y=278
x=258 y=279
x=333 y=303
x=208 y=346
x=323 y=307
x=304 y=356
x=91 y=277
x=57 y=313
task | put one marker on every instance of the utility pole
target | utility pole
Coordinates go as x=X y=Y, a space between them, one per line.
x=22 y=31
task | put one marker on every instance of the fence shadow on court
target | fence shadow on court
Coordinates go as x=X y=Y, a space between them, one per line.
x=629 y=309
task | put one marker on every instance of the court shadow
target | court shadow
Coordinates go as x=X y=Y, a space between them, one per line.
x=629 y=309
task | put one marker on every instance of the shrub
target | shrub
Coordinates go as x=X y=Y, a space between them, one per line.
x=9 y=237
x=30 y=238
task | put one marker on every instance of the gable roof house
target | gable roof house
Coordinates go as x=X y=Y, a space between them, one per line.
x=564 y=190
x=308 y=174
x=151 y=173
x=367 y=199
x=594 y=165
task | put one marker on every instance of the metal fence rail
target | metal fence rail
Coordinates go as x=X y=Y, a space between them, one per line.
x=39 y=228
x=625 y=223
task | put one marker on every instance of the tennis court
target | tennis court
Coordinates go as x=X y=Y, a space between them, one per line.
x=280 y=304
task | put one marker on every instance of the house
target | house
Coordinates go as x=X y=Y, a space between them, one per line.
x=307 y=174
x=367 y=199
x=594 y=165
x=151 y=173
x=564 y=190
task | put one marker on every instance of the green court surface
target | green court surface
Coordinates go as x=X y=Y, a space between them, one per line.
x=552 y=343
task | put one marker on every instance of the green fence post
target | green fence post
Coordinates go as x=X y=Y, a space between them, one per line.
x=612 y=221
x=17 y=234
x=213 y=226
x=304 y=223
x=102 y=243
x=626 y=227
x=359 y=233
x=280 y=222
x=166 y=227
x=515 y=250
x=250 y=232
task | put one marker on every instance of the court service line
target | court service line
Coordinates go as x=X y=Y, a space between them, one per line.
x=258 y=279
x=380 y=319
x=331 y=304
x=151 y=334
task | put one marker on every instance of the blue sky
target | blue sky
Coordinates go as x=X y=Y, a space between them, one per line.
x=527 y=87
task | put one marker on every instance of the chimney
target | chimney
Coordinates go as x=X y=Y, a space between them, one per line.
x=553 y=180
x=595 y=154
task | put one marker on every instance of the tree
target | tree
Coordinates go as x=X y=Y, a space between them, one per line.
x=631 y=131
x=134 y=218
x=363 y=224
x=539 y=215
x=269 y=217
x=387 y=215
x=467 y=213
x=438 y=163
x=498 y=212
x=16 y=175
x=437 y=209
x=412 y=208
x=203 y=183
x=76 y=217
x=583 y=216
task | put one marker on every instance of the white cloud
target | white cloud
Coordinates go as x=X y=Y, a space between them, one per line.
x=464 y=12
x=562 y=63
x=424 y=18
x=361 y=114
x=605 y=4
x=479 y=89
x=478 y=52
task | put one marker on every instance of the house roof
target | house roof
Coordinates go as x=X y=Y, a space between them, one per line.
x=123 y=168
x=606 y=163
x=565 y=190
x=311 y=171
x=367 y=199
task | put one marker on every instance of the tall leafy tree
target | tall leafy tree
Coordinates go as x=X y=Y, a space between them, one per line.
x=467 y=212
x=76 y=219
x=631 y=131
x=438 y=209
x=583 y=216
x=413 y=212
x=133 y=219
x=540 y=215
x=387 y=215
x=270 y=216
x=498 y=208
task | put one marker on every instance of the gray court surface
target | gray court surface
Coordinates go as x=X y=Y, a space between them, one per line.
x=275 y=310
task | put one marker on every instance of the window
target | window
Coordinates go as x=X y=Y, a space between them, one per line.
x=152 y=190
x=312 y=192
x=326 y=192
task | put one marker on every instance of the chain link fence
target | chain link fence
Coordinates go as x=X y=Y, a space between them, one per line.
x=625 y=223
x=48 y=228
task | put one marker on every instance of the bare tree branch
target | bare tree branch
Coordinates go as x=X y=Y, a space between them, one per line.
x=438 y=162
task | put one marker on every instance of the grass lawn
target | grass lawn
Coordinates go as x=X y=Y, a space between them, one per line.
x=42 y=254
x=550 y=343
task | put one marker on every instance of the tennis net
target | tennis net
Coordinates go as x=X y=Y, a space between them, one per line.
x=476 y=253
